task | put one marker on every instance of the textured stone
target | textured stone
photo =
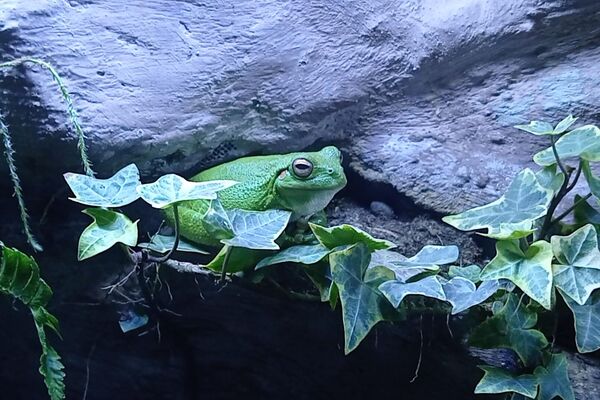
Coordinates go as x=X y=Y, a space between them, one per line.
x=418 y=91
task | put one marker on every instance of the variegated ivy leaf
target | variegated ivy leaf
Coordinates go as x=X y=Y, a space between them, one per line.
x=171 y=188
x=579 y=249
x=347 y=235
x=553 y=379
x=256 y=229
x=524 y=201
x=395 y=291
x=550 y=177
x=511 y=327
x=592 y=180
x=584 y=212
x=116 y=191
x=577 y=283
x=463 y=294
x=429 y=258
x=531 y=271
x=108 y=229
x=582 y=142
x=302 y=254
x=470 y=272
x=362 y=303
x=499 y=380
x=565 y=124
x=164 y=244
x=587 y=323
x=538 y=128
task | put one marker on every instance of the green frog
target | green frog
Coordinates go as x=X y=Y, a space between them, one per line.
x=303 y=183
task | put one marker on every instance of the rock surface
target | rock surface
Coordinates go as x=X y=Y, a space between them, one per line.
x=421 y=94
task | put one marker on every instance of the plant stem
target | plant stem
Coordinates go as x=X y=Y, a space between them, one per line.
x=558 y=161
x=176 y=242
x=16 y=181
x=87 y=165
x=576 y=178
x=228 y=250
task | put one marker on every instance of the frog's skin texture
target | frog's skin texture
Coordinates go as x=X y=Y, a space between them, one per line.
x=267 y=182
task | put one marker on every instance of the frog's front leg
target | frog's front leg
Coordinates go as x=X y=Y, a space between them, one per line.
x=299 y=232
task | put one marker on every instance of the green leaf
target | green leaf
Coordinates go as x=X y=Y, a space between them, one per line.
x=395 y=291
x=108 y=229
x=347 y=235
x=538 y=128
x=320 y=276
x=498 y=380
x=592 y=180
x=256 y=229
x=582 y=142
x=20 y=278
x=470 y=272
x=131 y=320
x=580 y=249
x=511 y=327
x=565 y=124
x=576 y=283
x=524 y=201
x=303 y=254
x=584 y=213
x=361 y=301
x=463 y=294
x=554 y=379
x=164 y=243
x=171 y=188
x=216 y=221
x=429 y=258
x=116 y=191
x=531 y=271
x=587 y=323
x=550 y=177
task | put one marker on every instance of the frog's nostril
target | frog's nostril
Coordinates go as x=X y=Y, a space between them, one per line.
x=330 y=170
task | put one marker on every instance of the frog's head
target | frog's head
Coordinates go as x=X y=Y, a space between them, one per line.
x=310 y=181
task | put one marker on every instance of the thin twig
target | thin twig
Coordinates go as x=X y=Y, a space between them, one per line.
x=576 y=178
x=570 y=209
x=558 y=160
x=420 y=351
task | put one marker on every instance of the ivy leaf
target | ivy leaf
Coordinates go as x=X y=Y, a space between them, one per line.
x=587 y=323
x=592 y=180
x=576 y=283
x=395 y=291
x=524 y=201
x=108 y=229
x=171 y=188
x=463 y=294
x=550 y=177
x=302 y=254
x=538 y=128
x=429 y=258
x=164 y=243
x=130 y=320
x=511 y=327
x=579 y=249
x=347 y=235
x=554 y=379
x=116 y=191
x=584 y=212
x=565 y=124
x=216 y=221
x=256 y=229
x=498 y=380
x=531 y=271
x=361 y=302
x=470 y=272
x=582 y=142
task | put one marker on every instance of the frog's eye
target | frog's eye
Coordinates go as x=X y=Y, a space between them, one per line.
x=302 y=168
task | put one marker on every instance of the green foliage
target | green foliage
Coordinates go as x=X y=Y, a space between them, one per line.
x=163 y=244
x=171 y=189
x=347 y=235
x=512 y=215
x=116 y=191
x=463 y=294
x=301 y=254
x=109 y=228
x=20 y=278
x=540 y=261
